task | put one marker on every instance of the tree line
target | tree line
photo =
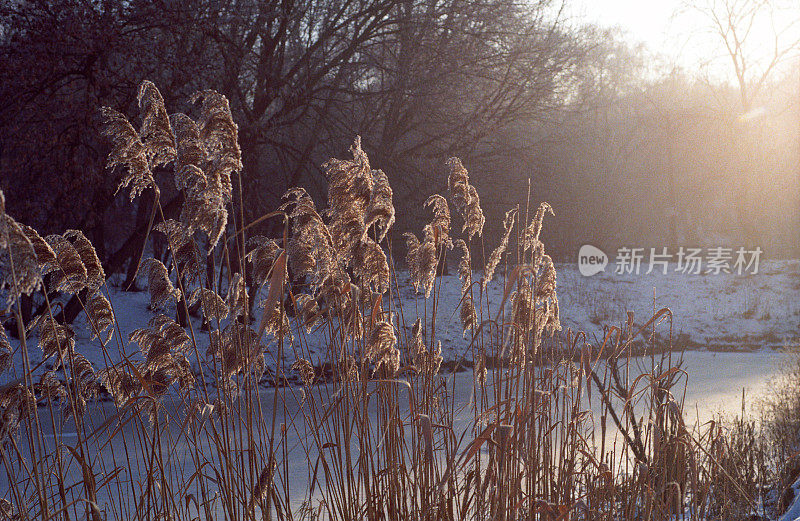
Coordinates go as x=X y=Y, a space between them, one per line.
x=629 y=150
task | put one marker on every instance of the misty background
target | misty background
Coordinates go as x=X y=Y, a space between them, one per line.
x=697 y=144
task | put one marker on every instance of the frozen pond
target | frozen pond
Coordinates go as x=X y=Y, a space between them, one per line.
x=715 y=385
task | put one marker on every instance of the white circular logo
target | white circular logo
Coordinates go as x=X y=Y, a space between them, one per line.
x=591 y=260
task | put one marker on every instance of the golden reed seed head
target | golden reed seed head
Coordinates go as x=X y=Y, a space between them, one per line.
x=308 y=309
x=546 y=285
x=371 y=267
x=16 y=404
x=17 y=252
x=54 y=338
x=45 y=255
x=95 y=275
x=380 y=211
x=464 y=265
x=156 y=132
x=421 y=260
x=530 y=236
x=262 y=257
x=120 y=384
x=237 y=301
x=128 y=152
x=382 y=348
x=99 y=315
x=304 y=370
x=424 y=361
x=213 y=306
x=469 y=318
x=497 y=254
x=51 y=387
x=159 y=284
x=440 y=225
x=71 y=275
x=6 y=353
x=190 y=154
x=465 y=198
x=220 y=138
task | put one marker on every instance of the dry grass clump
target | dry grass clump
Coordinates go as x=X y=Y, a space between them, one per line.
x=190 y=435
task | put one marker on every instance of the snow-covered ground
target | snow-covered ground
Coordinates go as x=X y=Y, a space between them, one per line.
x=747 y=316
x=727 y=312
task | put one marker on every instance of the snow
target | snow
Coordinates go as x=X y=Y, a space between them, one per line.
x=726 y=312
x=713 y=312
x=704 y=367
x=793 y=513
x=732 y=324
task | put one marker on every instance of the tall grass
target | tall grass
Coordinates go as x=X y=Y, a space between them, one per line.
x=374 y=428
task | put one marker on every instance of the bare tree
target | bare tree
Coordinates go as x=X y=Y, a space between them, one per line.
x=758 y=36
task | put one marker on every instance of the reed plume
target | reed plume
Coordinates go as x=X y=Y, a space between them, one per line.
x=380 y=211
x=19 y=266
x=206 y=194
x=440 y=225
x=465 y=198
x=190 y=157
x=236 y=347
x=220 y=138
x=155 y=133
x=425 y=361
x=523 y=319
x=497 y=254
x=237 y=301
x=262 y=257
x=153 y=345
x=54 y=338
x=181 y=246
x=382 y=349
x=45 y=255
x=262 y=487
x=421 y=261
x=6 y=352
x=128 y=152
x=204 y=209
x=213 y=306
x=468 y=315
x=71 y=275
x=16 y=404
x=530 y=236
x=370 y=266
x=120 y=384
x=159 y=284
x=546 y=289
x=277 y=323
x=347 y=303
x=95 y=275
x=84 y=381
x=308 y=309
x=51 y=388
x=99 y=315
x=349 y=192
x=311 y=248
x=304 y=370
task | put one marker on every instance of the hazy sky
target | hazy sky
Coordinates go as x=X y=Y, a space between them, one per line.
x=684 y=37
x=648 y=21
